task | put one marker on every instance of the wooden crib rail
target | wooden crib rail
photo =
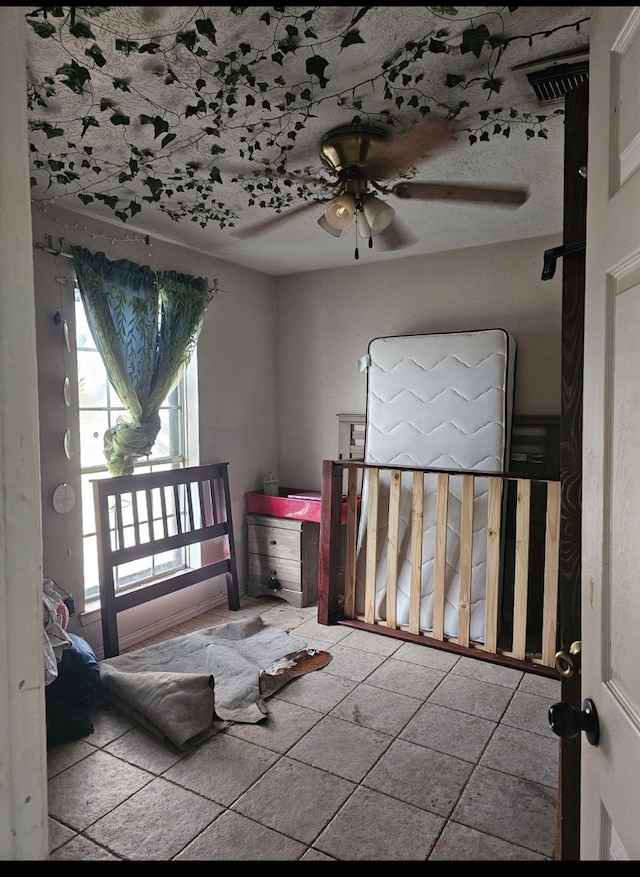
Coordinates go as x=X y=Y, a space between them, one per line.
x=148 y=513
x=521 y=562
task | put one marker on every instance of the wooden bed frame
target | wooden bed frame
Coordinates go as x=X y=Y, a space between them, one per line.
x=149 y=513
x=510 y=645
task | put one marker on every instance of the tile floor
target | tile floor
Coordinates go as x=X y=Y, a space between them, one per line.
x=391 y=752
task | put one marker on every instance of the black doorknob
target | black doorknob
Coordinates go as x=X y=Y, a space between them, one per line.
x=567 y=721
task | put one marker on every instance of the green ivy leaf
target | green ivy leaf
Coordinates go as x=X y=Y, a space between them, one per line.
x=351 y=38
x=206 y=28
x=126 y=46
x=109 y=200
x=119 y=119
x=149 y=48
x=121 y=85
x=89 y=122
x=42 y=28
x=96 y=55
x=315 y=66
x=493 y=84
x=473 y=40
x=214 y=175
x=86 y=199
x=188 y=39
x=75 y=76
x=437 y=47
x=154 y=185
x=80 y=30
x=453 y=79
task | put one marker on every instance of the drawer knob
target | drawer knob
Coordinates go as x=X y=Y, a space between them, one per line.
x=273 y=542
x=273 y=584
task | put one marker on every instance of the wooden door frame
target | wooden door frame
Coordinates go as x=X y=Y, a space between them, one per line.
x=573 y=294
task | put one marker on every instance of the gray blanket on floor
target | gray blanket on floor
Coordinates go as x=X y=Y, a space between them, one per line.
x=180 y=687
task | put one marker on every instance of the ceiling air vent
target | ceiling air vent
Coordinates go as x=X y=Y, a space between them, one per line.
x=552 y=83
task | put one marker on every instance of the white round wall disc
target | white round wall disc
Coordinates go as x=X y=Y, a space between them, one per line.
x=64 y=498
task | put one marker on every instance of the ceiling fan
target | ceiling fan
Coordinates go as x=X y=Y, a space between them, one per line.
x=362 y=158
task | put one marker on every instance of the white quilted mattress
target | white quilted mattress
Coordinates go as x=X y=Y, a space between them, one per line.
x=440 y=401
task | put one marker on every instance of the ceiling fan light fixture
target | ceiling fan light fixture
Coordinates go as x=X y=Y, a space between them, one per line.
x=363 y=226
x=322 y=222
x=340 y=211
x=378 y=214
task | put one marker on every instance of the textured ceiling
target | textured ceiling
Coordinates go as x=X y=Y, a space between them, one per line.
x=297 y=243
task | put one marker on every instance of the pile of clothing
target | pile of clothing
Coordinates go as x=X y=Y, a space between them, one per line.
x=71 y=671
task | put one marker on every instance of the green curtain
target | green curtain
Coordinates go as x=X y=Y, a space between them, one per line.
x=145 y=325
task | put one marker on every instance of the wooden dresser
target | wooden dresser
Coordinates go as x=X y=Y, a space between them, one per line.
x=283 y=558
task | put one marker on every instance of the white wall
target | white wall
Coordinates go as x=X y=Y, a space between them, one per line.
x=326 y=320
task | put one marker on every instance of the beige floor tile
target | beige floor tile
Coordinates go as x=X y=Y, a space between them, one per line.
x=222 y=769
x=145 y=750
x=530 y=713
x=461 y=843
x=63 y=755
x=352 y=664
x=82 y=850
x=285 y=724
x=233 y=837
x=375 y=827
x=542 y=686
x=363 y=707
x=449 y=731
x=286 y=616
x=316 y=856
x=427 y=656
x=155 y=823
x=488 y=672
x=331 y=633
x=341 y=747
x=472 y=696
x=513 y=809
x=431 y=780
x=371 y=642
x=318 y=691
x=523 y=754
x=295 y=799
x=92 y=787
x=58 y=834
x=402 y=677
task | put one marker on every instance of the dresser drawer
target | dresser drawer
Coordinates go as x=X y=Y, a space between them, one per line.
x=287 y=572
x=275 y=541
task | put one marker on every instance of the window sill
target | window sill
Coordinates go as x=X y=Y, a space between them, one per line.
x=91 y=613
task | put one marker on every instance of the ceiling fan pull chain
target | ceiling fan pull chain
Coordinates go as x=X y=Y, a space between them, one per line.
x=356 y=254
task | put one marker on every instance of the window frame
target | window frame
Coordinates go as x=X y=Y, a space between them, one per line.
x=178 y=405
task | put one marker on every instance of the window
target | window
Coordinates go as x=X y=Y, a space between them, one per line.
x=99 y=409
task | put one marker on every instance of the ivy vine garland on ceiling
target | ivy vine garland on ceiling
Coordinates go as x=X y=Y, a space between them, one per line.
x=216 y=91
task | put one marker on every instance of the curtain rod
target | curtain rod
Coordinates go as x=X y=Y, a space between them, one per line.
x=214 y=290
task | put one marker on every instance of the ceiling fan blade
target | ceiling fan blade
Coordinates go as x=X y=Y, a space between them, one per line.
x=272 y=221
x=394 y=237
x=393 y=157
x=507 y=196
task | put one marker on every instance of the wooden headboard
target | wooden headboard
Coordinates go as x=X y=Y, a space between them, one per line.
x=147 y=514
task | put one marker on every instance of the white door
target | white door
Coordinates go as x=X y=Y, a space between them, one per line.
x=610 y=771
